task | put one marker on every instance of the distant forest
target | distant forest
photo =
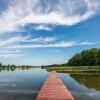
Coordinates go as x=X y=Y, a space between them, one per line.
x=86 y=58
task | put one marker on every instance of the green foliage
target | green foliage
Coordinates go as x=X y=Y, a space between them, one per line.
x=0 y=65
x=86 y=58
x=98 y=58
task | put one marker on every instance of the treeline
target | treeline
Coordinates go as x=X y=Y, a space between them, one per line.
x=55 y=65
x=86 y=58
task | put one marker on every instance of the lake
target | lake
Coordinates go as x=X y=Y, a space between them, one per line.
x=25 y=83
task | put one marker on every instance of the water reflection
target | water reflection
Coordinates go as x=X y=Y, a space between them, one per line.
x=14 y=68
x=82 y=82
x=83 y=86
x=91 y=81
x=21 y=83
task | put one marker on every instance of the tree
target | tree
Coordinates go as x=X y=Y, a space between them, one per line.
x=0 y=65
x=87 y=57
x=76 y=60
x=98 y=58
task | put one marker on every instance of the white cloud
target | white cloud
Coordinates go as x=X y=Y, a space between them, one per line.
x=10 y=55
x=58 y=12
x=9 y=51
x=42 y=27
x=6 y=53
x=41 y=39
x=12 y=40
x=11 y=47
x=21 y=42
x=20 y=39
x=86 y=43
x=54 y=45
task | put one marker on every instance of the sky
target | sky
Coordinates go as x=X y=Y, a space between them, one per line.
x=44 y=32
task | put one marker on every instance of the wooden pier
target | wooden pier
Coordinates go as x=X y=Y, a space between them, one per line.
x=54 y=89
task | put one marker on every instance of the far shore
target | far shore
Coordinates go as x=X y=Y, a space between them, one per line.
x=75 y=69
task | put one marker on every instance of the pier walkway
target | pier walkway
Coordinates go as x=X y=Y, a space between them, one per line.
x=54 y=89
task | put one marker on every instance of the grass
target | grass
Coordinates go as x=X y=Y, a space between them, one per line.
x=73 y=68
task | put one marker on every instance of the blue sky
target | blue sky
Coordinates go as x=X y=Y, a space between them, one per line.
x=43 y=32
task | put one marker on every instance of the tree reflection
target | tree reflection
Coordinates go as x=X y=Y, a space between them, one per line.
x=13 y=67
x=88 y=80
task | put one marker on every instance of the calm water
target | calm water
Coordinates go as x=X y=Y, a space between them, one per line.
x=24 y=84
x=83 y=86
